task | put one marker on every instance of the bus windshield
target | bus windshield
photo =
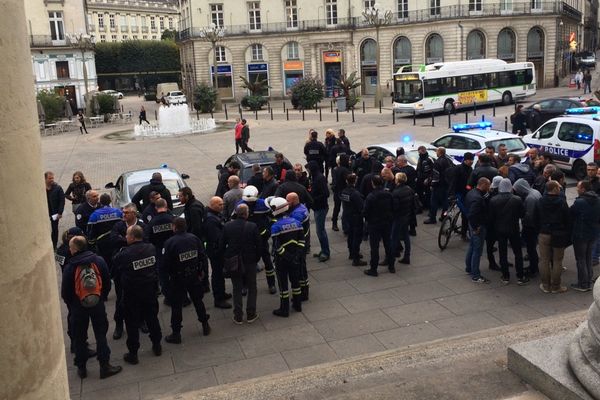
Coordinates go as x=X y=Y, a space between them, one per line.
x=408 y=91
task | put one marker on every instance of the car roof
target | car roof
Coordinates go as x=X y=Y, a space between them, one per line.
x=580 y=118
x=486 y=134
x=144 y=175
x=408 y=146
x=257 y=157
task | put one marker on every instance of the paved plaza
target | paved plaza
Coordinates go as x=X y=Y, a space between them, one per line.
x=348 y=313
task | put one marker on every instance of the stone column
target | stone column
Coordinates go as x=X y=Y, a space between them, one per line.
x=32 y=351
x=584 y=350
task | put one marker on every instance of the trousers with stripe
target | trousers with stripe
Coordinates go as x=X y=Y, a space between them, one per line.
x=288 y=267
x=303 y=271
x=266 y=257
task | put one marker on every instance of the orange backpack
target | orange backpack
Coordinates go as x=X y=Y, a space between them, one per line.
x=88 y=284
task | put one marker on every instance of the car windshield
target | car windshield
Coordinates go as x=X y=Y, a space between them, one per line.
x=176 y=94
x=171 y=184
x=408 y=91
x=512 y=144
x=413 y=156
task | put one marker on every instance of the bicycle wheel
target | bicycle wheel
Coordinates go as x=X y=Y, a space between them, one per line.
x=455 y=226
x=445 y=232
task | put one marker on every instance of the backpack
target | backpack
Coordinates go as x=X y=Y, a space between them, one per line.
x=88 y=284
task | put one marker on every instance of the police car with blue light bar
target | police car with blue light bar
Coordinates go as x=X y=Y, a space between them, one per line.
x=571 y=140
x=475 y=137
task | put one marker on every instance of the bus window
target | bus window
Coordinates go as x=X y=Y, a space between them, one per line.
x=434 y=87
x=493 y=80
x=408 y=91
x=528 y=76
x=463 y=83
x=519 y=77
x=479 y=82
x=449 y=85
x=504 y=79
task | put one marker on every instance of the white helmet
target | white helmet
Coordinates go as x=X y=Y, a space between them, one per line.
x=250 y=193
x=279 y=205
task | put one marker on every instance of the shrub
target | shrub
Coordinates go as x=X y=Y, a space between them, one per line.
x=106 y=103
x=53 y=104
x=205 y=98
x=348 y=85
x=253 y=102
x=307 y=92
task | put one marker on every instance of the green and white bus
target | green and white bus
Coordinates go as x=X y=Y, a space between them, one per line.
x=447 y=86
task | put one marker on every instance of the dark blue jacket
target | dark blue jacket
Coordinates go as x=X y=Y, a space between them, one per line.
x=585 y=216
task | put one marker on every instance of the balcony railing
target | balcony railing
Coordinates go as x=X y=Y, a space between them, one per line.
x=47 y=41
x=522 y=8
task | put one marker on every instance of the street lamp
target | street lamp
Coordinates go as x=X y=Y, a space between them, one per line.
x=214 y=34
x=84 y=43
x=377 y=18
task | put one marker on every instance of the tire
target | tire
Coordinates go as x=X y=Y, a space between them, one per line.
x=579 y=170
x=445 y=233
x=506 y=98
x=449 y=106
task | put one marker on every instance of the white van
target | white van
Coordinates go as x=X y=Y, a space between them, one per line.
x=163 y=88
x=572 y=139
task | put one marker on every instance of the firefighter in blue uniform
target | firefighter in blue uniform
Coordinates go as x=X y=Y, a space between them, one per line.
x=300 y=213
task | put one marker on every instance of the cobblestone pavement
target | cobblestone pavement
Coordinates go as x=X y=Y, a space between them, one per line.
x=348 y=313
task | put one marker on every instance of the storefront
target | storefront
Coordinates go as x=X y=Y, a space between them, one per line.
x=293 y=71
x=332 y=66
x=259 y=71
x=225 y=80
x=368 y=66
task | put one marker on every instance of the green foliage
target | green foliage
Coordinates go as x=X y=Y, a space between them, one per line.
x=257 y=88
x=348 y=85
x=307 y=92
x=106 y=102
x=137 y=56
x=253 y=102
x=169 y=34
x=205 y=98
x=53 y=104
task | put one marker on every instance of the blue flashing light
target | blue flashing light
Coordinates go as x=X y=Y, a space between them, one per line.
x=164 y=166
x=583 y=110
x=474 y=125
x=584 y=136
x=406 y=139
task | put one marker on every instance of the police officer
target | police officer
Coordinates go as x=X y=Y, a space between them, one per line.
x=100 y=225
x=136 y=264
x=194 y=215
x=83 y=212
x=315 y=150
x=150 y=211
x=378 y=214
x=288 y=246
x=300 y=213
x=352 y=207
x=184 y=259
x=259 y=214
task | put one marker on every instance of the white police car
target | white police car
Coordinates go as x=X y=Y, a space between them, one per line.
x=571 y=140
x=475 y=137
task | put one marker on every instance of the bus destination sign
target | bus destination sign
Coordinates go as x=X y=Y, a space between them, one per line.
x=407 y=77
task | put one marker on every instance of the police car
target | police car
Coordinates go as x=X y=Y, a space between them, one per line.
x=128 y=184
x=381 y=151
x=571 y=140
x=475 y=137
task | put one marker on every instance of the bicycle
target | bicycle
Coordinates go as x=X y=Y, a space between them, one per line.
x=449 y=225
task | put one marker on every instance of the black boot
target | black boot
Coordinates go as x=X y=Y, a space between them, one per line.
x=284 y=308
x=205 y=328
x=304 y=293
x=173 y=338
x=334 y=226
x=118 y=334
x=107 y=370
x=297 y=303
x=82 y=372
x=157 y=349
x=131 y=358
x=358 y=263
x=405 y=260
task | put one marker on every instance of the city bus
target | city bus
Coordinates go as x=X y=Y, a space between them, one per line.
x=447 y=86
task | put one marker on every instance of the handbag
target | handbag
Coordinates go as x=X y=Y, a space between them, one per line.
x=234 y=265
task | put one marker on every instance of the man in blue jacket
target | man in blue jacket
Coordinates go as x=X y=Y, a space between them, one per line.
x=477 y=211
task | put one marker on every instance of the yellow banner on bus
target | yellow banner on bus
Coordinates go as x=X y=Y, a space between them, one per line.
x=474 y=96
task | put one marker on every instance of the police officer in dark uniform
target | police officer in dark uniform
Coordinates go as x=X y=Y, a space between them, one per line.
x=184 y=259
x=157 y=232
x=288 y=246
x=300 y=213
x=378 y=214
x=85 y=209
x=315 y=150
x=136 y=264
x=150 y=211
x=352 y=207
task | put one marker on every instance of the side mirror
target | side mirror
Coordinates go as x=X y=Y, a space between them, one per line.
x=220 y=166
x=185 y=176
x=109 y=185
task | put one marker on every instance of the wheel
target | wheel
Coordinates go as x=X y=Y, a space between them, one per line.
x=506 y=98
x=445 y=232
x=449 y=106
x=579 y=170
x=455 y=226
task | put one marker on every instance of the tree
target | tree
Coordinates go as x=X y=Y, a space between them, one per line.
x=255 y=100
x=205 y=98
x=348 y=85
x=137 y=56
x=169 y=34
x=52 y=103
x=307 y=93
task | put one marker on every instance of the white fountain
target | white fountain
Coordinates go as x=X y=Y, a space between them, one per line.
x=172 y=121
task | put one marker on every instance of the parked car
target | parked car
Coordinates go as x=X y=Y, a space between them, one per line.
x=383 y=150
x=175 y=97
x=247 y=160
x=551 y=108
x=586 y=59
x=118 y=95
x=128 y=184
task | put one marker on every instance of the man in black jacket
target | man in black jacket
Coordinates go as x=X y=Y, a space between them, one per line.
x=279 y=167
x=56 y=204
x=439 y=185
x=157 y=232
x=150 y=211
x=194 y=215
x=402 y=165
x=352 y=205
x=363 y=165
x=483 y=169
x=365 y=186
x=213 y=229
x=245 y=137
x=320 y=193
x=404 y=209
x=233 y=169
x=477 y=214
x=338 y=177
x=269 y=183
x=86 y=209
x=378 y=213
x=256 y=179
x=291 y=185
x=458 y=178
x=424 y=173
x=315 y=150
x=241 y=238
x=142 y=198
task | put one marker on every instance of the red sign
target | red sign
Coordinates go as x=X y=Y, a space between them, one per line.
x=572 y=36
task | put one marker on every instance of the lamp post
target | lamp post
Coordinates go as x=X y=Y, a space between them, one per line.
x=377 y=18
x=84 y=43
x=214 y=34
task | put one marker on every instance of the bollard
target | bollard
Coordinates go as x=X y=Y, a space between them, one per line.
x=122 y=109
x=155 y=115
x=269 y=106
x=352 y=114
x=284 y=107
x=393 y=117
x=363 y=107
x=271 y=112
x=197 y=114
x=225 y=109
x=287 y=115
x=317 y=107
x=337 y=115
x=303 y=114
x=449 y=121
x=320 y=117
x=432 y=119
x=466 y=117
x=483 y=118
x=474 y=109
x=506 y=124
x=241 y=115
x=414 y=117
x=256 y=114
x=379 y=106
x=331 y=105
x=211 y=114
x=494 y=109
x=240 y=108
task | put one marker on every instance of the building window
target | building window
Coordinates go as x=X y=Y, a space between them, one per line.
x=506 y=5
x=111 y=21
x=293 y=51
x=125 y=37
x=474 y=5
x=56 y=25
x=101 y=21
x=153 y=37
x=102 y=38
x=254 y=15
x=402 y=9
x=171 y=23
x=152 y=23
x=434 y=7
x=216 y=14
x=221 y=55
x=434 y=49
x=535 y=43
x=62 y=70
x=134 y=37
x=331 y=12
x=114 y=38
x=369 y=3
x=506 y=45
x=145 y=37
x=161 y=23
x=143 y=20
x=123 y=20
x=257 y=52
x=475 y=45
x=536 y=4
x=291 y=13
x=134 y=21
x=402 y=52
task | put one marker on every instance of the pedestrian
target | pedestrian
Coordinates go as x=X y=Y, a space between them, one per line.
x=214 y=222
x=490 y=235
x=232 y=169
x=458 y=185
x=365 y=186
x=534 y=120
x=531 y=199
x=76 y=190
x=256 y=179
x=269 y=183
x=85 y=287
x=232 y=196
x=241 y=244
x=279 y=167
x=540 y=181
x=315 y=150
x=477 y=215
x=439 y=185
x=320 y=193
x=424 y=174
x=587 y=82
x=301 y=175
x=585 y=217
x=592 y=177
x=56 y=204
x=363 y=165
x=502 y=156
x=403 y=213
x=329 y=142
x=288 y=245
x=518 y=170
x=291 y=185
x=81 y=119
x=143 y=116
x=338 y=148
x=157 y=232
x=506 y=210
x=150 y=210
x=338 y=178
x=579 y=78
x=352 y=207
x=142 y=198
x=238 y=135
x=483 y=169
x=342 y=136
x=185 y=261
x=378 y=214
x=245 y=137
x=193 y=211
x=519 y=121
x=300 y=213
x=389 y=183
x=100 y=226
x=136 y=265
x=403 y=166
x=84 y=210
x=553 y=223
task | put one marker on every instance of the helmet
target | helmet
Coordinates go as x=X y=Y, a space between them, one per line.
x=268 y=201
x=279 y=205
x=250 y=193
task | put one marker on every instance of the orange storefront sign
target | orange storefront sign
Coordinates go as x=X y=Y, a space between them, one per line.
x=332 y=56
x=293 y=65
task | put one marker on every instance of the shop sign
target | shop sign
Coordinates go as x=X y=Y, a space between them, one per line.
x=332 y=56
x=293 y=66
x=221 y=69
x=258 y=67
